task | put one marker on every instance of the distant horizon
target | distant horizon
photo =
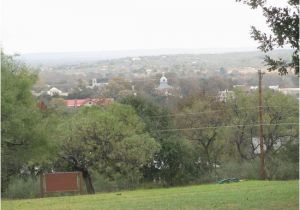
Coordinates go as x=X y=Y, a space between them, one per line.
x=208 y=50
x=92 y=56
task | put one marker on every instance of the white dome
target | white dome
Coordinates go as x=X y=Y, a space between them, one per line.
x=163 y=83
x=163 y=79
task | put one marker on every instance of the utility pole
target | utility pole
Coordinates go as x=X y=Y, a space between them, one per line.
x=261 y=131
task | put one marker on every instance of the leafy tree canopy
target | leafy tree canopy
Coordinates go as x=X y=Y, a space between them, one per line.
x=23 y=137
x=111 y=141
x=284 y=24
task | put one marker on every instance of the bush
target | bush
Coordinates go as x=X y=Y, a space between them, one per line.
x=22 y=188
x=118 y=182
x=277 y=168
x=241 y=170
x=177 y=162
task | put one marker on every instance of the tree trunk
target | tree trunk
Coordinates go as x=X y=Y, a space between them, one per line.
x=208 y=157
x=88 y=181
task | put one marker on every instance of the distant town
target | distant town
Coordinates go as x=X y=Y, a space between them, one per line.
x=169 y=76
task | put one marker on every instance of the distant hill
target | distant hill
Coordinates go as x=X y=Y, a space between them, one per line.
x=70 y=58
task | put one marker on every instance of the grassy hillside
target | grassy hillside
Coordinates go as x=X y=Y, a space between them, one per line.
x=243 y=195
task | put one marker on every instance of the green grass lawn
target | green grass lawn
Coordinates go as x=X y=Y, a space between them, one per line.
x=242 y=195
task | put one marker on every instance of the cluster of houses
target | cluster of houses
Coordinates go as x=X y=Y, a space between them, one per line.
x=164 y=89
x=226 y=94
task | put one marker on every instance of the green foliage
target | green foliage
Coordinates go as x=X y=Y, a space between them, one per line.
x=117 y=88
x=110 y=140
x=284 y=164
x=23 y=137
x=177 y=161
x=206 y=138
x=153 y=116
x=22 y=188
x=124 y=146
x=82 y=93
x=280 y=109
x=117 y=183
x=243 y=113
x=280 y=169
x=241 y=170
x=284 y=24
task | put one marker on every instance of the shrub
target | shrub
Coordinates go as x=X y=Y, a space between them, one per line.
x=241 y=170
x=22 y=188
x=116 y=183
x=277 y=168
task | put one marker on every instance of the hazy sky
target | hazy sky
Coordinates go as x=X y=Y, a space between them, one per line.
x=97 y=25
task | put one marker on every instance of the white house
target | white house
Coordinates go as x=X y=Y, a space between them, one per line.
x=95 y=83
x=253 y=88
x=290 y=91
x=225 y=95
x=274 y=87
x=54 y=91
x=256 y=145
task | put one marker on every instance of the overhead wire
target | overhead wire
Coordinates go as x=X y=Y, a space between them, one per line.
x=226 y=126
x=204 y=112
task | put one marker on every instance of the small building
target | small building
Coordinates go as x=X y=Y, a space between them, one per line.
x=274 y=87
x=75 y=103
x=55 y=91
x=256 y=145
x=136 y=59
x=253 y=88
x=225 y=95
x=98 y=83
x=148 y=71
x=164 y=88
x=290 y=91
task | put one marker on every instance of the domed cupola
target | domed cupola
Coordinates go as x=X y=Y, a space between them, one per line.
x=163 y=80
x=163 y=83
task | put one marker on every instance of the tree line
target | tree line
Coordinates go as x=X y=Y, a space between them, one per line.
x=137 y=141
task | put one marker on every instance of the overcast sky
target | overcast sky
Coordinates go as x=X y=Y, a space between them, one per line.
x=100 y=25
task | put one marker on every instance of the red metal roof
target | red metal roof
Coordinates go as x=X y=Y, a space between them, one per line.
x=82 y=102
x=76 y=102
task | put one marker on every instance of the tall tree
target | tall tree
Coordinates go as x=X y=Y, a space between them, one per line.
x=284 y=24
x=205 y=115
x=281 y=131
x=177 y=161
x=279 y=111
x=111 y=141
x=243 y=113
x=22 y=135
x=155 y=119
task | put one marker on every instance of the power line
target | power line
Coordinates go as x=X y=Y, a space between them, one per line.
x=204 y=112
x=226 y=126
